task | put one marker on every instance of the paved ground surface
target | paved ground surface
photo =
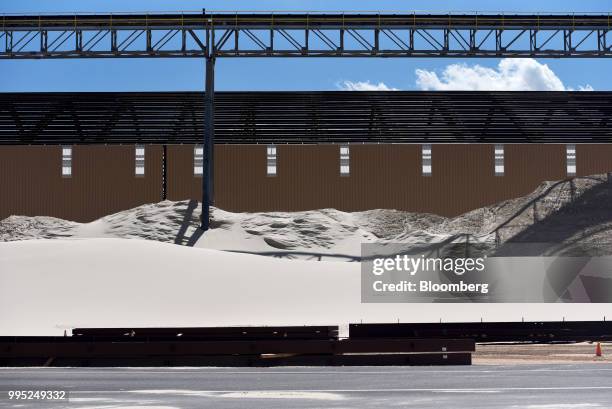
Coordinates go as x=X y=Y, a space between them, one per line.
x=540 y=386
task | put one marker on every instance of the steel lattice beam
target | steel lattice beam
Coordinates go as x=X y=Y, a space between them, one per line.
x=305 y=35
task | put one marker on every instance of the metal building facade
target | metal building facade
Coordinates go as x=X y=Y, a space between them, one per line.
x=382 y=176
x=384 y=130
x=102 y=181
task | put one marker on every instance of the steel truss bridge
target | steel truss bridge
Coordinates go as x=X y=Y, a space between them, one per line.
x=305 y=35
x=298 y=34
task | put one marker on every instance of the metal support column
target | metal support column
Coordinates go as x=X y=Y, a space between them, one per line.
x=164 y=172
x=209 y=143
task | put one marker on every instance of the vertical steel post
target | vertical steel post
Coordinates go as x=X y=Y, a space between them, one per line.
x=209 y=142
x=164 y=172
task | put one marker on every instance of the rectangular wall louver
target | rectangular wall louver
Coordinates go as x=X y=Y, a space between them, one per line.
x=198 y=160
x=345 y=168
x=499 y=160
x=271 y=160
x=140 y=160
x=426 y=159
x=570 y=159
x=66 y=161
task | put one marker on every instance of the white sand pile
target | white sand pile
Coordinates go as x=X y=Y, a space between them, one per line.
x=325 y=231
x=47 y=286
x=558 y=212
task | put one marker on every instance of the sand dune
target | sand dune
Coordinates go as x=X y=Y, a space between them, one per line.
x=47 y=286
x=562 y=211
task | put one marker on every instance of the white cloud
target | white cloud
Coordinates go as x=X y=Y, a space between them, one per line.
x=525 y=74
x=363 y=86
x=586 y=87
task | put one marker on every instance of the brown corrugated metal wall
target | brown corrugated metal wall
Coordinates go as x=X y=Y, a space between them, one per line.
x=593 y=159
x=308 y=177
x=182 y=184
x=102 y=181
x=381 y=176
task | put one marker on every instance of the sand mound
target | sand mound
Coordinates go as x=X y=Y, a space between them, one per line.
x=47 y=286
x=579 y=210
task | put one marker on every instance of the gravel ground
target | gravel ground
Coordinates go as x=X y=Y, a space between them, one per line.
x=499 y=354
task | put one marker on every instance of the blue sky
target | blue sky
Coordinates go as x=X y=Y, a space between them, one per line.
x=268 y=73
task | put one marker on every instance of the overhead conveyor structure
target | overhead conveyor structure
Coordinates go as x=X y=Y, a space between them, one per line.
x=212 y=35
x=301 y=34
